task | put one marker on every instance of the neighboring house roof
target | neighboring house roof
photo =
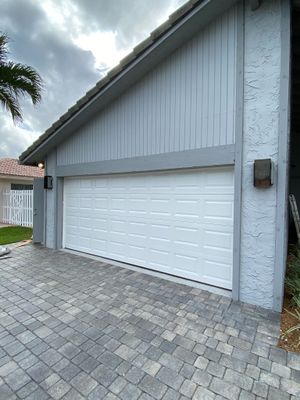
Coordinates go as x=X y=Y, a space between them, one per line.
x=11 y=166
x=179 y=27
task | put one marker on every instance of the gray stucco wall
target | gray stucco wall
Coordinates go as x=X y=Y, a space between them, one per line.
x=260 y=140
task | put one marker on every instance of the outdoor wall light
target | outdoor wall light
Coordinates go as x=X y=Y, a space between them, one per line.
x=48 y=182
x=40 y=165
x=263 y=173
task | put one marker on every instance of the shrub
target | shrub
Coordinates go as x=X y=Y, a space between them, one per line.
x=292 y=280
x=295 y=327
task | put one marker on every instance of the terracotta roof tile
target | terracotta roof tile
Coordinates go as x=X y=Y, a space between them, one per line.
x=11 y=166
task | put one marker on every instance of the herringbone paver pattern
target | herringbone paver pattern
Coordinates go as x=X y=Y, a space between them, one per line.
x=74 y=328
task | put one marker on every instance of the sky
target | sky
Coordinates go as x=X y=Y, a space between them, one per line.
x=72 y=44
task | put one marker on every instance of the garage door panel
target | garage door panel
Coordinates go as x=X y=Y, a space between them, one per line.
x=218 y=239
x=218 y=213
x=191 y=208
x=136 y=254
x=100 y=185
x=118 y=186
x=100 y=234
x=84 y=241
x=218 y=273
x=137 y=206
x=85 y=222
x=84 y=233
x=100 y=203
x=99 y=244
x=159 y=260
x=118 y=226
x=118 y=204
x=117 y=239
x=85 y=202
x=136 y=226
x=71 y=233
x=100 y=214
x=218 y=256
x=179 y=222
x=189 y=233
x=100 y=221
x=160 y=230
x=163 y=246
x=160 y=206
x=185 y=264
x=225 y=179
x=86 y=183
x=117 y=249
x=136 y=240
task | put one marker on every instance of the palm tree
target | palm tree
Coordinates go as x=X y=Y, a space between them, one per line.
x=16 y=80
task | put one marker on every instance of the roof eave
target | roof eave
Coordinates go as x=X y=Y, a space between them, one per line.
x=14 y=176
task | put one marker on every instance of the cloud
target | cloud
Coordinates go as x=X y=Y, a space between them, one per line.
x=67 y=71
x=71 y=43
x=15 y=138
x=131 y=20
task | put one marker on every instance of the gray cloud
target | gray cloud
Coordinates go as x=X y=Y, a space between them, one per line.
x=132 y=20
x=67 y=70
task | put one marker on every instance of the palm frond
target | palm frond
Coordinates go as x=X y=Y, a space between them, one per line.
x=16 y=80
x=22 y=80
x=10 y=103
x=3 y=47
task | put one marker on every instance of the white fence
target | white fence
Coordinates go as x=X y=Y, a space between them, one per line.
x=18 y=207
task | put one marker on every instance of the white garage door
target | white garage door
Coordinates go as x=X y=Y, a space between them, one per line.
x=179 y=223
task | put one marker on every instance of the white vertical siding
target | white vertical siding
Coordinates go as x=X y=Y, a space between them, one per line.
x=187 y=102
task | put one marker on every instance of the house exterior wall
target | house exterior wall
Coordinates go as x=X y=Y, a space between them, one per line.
x=164 y=114
x=187 y=102
x=262 y=80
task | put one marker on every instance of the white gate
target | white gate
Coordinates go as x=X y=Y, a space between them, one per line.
x=18 y=207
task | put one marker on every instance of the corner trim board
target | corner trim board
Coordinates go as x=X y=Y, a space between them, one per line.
x=208 y=157
x=238 y=156
x=59 y=208
x=55 y=208
x=281 y=235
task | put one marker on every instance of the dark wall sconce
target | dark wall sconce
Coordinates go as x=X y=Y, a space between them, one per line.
x=263 y=174
x=48 y=182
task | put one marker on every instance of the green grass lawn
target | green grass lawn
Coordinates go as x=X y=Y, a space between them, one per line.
x=12 y=234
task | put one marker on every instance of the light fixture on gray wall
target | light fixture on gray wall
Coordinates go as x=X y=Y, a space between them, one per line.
x=263 y=173
x=48 y=182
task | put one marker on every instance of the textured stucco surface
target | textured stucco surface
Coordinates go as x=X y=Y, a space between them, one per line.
x=261 y=118
x=50 y=201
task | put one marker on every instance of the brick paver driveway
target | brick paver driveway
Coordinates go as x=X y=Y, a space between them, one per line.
x=75 y=328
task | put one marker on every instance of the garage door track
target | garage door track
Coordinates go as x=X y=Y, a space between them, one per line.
x=75 y=328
